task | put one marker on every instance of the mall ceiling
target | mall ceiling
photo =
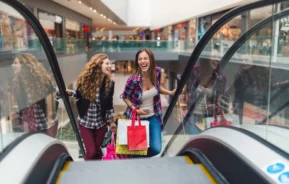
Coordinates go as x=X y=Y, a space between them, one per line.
x=102 y=17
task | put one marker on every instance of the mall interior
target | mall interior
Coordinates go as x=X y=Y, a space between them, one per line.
x=222 y=65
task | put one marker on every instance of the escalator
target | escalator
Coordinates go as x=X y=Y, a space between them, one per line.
x=142 y=171
x=192 y=154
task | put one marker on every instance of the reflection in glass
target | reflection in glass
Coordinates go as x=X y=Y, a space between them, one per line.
x=204 y=89
x=33 y=89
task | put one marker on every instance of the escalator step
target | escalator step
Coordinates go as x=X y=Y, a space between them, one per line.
x=181 y=174
x=127 y=163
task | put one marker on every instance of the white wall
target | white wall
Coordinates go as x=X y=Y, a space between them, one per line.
x=135 y=13
x=160 y=13
x=167 y=12
x=119 y=7
x=139 y=13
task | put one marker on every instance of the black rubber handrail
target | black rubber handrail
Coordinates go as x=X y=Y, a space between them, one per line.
x=196 y=53
x=203 y=42
x=47 y=47
x=247 y=35
x=243 y=39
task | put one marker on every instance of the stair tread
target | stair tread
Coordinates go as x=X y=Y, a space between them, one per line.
x=127 y=163
x=181 y=174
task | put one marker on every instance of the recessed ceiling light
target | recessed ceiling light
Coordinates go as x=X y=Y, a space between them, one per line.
x=90 y=8
x=104 y=16
x=79 y=2
x=94 y=11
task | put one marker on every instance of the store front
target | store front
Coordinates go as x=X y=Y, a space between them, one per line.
x=52 y=24
x=192 y=34
x=13 y=30
x=72 y=29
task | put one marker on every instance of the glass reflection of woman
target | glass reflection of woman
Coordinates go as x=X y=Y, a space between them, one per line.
x=206 y=80
x=33 y=89
x=251 y=85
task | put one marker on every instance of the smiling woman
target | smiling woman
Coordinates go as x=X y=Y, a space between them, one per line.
x=142 y=92
x=94 y=92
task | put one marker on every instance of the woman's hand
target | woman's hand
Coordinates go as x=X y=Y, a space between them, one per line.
x=112 y=127
x=172 y=93
x=142 y=112
x=68 y=92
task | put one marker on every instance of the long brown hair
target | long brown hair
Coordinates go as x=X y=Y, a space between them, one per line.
x=152 y=70
x=90 y=79
x=33 y=76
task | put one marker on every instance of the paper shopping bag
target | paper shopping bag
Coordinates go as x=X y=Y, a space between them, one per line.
x=122 y=130
x=123 y=150
x=136 y=135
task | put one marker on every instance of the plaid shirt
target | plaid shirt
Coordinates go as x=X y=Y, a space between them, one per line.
x=194 y=79
x=133 y=92
x=93 y=118
x=35 y=118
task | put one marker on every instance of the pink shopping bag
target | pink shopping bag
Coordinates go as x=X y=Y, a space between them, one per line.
x=110 y=150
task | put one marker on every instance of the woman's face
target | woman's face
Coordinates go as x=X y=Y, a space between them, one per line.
x=16 y=66
x=144 y=61
x=215 y=59
x=247 y=64
x=214 y=62
x=106 y=67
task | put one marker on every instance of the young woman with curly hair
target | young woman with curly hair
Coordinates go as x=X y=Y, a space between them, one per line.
x=33 y=89
x=95 y=92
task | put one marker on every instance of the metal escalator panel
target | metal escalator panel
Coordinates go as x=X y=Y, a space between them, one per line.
x=156 y=170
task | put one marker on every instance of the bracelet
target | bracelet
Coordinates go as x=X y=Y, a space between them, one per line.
x=131 y=106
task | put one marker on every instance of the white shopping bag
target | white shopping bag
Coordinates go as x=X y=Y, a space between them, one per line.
x=122 y=130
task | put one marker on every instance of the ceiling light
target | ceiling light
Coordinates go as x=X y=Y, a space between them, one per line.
x=114 y=23
x=79 y=2
x=90 y=8
x=101 y=15
x=104 y=16
x=94 y=11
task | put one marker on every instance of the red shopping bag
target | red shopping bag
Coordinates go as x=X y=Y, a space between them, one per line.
x=136 y=135
x=223 y=121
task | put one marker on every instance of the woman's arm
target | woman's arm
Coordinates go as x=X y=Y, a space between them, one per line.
x=49 y=108
x=130 y=105
x=164 y=91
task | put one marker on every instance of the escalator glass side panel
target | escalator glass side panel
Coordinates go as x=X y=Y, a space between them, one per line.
x=27 y=85
x=242 y=89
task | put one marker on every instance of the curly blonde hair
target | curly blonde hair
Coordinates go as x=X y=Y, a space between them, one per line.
x=90 y=79
x=33 y=76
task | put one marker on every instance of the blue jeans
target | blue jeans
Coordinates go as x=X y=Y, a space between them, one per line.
x=155 y=136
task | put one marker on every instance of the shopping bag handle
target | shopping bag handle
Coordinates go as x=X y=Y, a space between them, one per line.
x=134 y=114
x=220 y=111
x=112 y=139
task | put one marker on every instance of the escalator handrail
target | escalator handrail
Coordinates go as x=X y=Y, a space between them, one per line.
x=52 y=59
x=261 y=140
x=207 y=164
x=203 y=42
x=246 y=36
x=15 y=143
x=243 y=39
